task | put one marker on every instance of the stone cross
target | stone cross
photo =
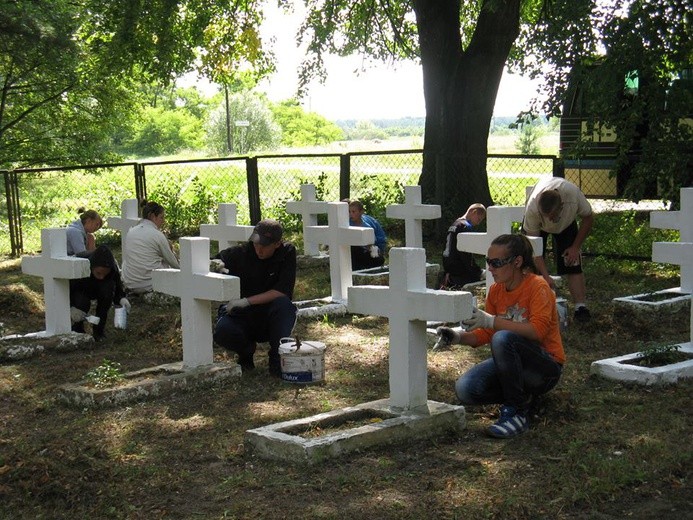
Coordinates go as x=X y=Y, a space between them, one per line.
x=309 y=208
x=670 y=252
x=339 y=237
x=413 y=212
x=499 y=220
x=129 y=218
x=408 y=304
x=196 y=287
x=227 y=232
x=57 y=269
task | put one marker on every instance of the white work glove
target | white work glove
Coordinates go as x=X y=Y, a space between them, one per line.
x=447 y=336
x=479 y=320
x=217 y=266
x=375 y=252
x=235 y=305
x=77 y=315
x=125 y=303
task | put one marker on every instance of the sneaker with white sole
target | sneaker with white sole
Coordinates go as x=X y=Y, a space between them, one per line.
x=511 y=423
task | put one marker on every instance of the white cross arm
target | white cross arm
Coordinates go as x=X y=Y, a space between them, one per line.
x=69 y=268
x=678 y=253
x=417 y=211
x=307 y=207
x=428 y=306
x=210 y=286
x=351 y=236
x=221 y=232
x=665 y=220
x=473 y=242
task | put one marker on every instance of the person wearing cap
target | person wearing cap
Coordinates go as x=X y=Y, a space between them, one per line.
x=266 y=266
x=103 y=285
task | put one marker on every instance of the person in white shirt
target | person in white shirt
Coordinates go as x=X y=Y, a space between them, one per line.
x=146 y=249
x=553 y=208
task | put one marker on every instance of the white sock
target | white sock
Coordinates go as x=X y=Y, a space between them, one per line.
x=578 y=305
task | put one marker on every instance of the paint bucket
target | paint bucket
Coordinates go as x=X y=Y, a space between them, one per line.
x=302 y=361
x=562 y=309
x=120 y=318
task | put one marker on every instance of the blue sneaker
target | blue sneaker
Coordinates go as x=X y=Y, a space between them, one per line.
x=511 y=423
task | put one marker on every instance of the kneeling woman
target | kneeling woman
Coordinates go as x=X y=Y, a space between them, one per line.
x=521 y=324
x=102 y=285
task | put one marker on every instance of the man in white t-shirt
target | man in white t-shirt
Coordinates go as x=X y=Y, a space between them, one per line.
x=553 y=209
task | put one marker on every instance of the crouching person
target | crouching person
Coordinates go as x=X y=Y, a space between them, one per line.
x=103 y=285
x=266 y=267
x=521 y=325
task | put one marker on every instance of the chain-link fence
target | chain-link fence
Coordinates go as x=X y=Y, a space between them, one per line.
x=260 y=187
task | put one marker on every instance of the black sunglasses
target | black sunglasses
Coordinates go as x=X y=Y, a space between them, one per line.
x=499 y=262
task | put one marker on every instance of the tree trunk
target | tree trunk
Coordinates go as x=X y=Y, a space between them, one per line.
x=460 y=88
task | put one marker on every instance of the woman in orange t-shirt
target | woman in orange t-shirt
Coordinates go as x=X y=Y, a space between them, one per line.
x=521 y=324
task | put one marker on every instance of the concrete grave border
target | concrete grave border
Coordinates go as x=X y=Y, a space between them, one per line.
x=282 y=440
x=148 y=383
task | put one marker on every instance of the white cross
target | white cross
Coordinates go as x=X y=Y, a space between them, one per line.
x=227 y=232
x=499 y=220
x=339 y=237
x=196 y=287
x=57 y=269
x=669 y=252
x=309 y=208
x=128 y=218
x=413 y=212
x=408 y=304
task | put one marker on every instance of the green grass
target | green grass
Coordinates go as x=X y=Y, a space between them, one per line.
x=599 y=449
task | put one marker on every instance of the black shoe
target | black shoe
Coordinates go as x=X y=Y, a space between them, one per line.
x=246 y=362
x=582 y=315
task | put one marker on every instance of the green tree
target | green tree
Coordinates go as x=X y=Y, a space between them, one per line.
x=634 y=59
x=68 y=70
x=300 y=128
x=159 y=131
x=54 y=107
x=252 y=126
x=528 y=139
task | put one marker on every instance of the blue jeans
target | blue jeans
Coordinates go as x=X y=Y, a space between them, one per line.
x=518 y=369
x=269 y=322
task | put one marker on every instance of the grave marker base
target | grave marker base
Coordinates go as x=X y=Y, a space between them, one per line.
x=384 y=425
x=148 y=383
x=381 y=275
x=669 y=299
x=319 y=307
x=618 y=369
x=17 y=347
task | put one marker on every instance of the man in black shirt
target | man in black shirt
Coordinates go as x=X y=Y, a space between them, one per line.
x=266 y=267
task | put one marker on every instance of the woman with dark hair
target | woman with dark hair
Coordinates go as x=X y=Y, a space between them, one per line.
x=103 y=285
x=146 y=249
x=521 y=324
x=80 y=234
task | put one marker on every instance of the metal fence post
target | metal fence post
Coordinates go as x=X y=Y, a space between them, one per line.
x=140 y=182
x=14 y=214
x=558 y=167
x=344 y=176
x=253 y=179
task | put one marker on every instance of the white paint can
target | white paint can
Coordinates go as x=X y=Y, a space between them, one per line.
x=120 y=318
x=302 y=361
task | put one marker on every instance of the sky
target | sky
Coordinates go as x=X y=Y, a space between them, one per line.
x=379 y=92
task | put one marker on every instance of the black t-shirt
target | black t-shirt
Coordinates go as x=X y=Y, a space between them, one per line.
x=257 y=276
x=459 y=263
